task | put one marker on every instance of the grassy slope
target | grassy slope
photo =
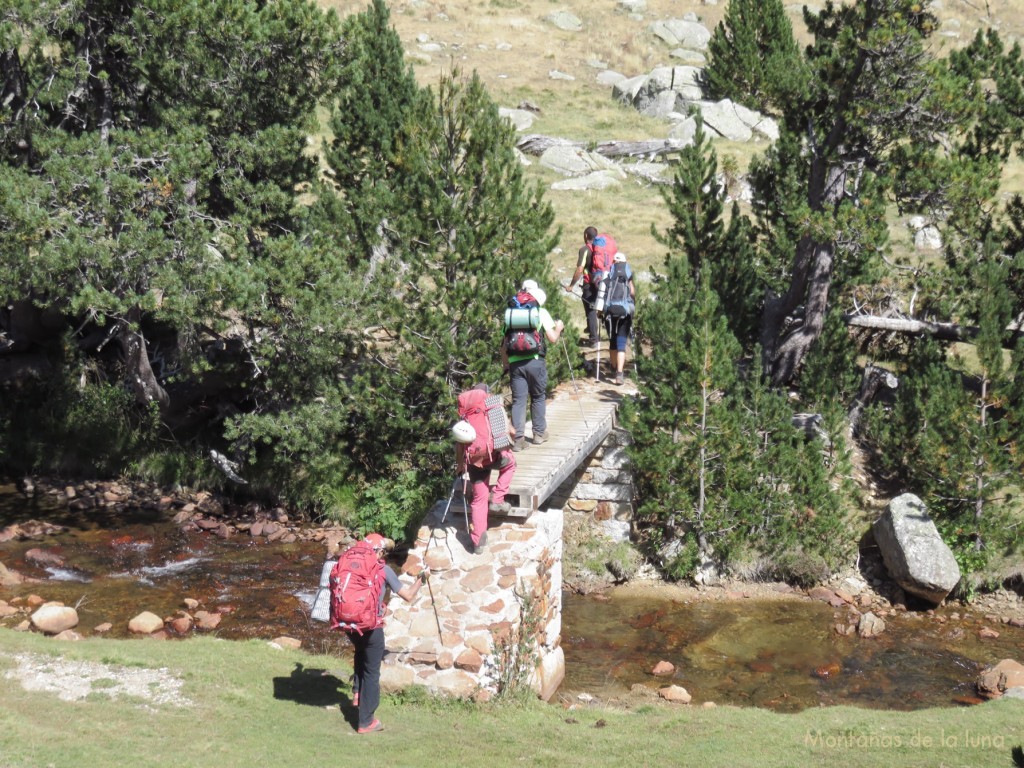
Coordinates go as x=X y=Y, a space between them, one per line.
x=255 y=705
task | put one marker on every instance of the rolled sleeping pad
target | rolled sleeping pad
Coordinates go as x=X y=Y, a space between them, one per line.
x=522 y=318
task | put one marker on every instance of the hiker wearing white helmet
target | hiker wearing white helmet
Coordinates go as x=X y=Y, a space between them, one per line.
x=528 y=374
x=482 y=439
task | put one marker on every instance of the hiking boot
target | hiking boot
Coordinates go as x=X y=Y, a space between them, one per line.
x=373 y=727
x=620 y=378
x=540 y=437
x=519 y=444
x=500 y=508
x=481 y=545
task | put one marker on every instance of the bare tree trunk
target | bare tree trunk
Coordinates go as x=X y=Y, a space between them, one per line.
x=140 y=374
x=809 y=285
x=874 y=377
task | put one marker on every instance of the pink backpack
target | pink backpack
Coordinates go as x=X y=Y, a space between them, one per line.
x=487 y=417
x=356 y=584
x=602 y=251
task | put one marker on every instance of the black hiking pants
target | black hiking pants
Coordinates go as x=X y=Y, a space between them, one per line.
x=369 y=655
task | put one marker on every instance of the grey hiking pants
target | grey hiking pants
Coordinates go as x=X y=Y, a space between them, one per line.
x=529 y=380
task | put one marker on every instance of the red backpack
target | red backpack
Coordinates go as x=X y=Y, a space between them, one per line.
x=602 y=254
x=485 y=413
x=523 y=335
x=356 y=584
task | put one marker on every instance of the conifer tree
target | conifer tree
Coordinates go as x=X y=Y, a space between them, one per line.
x=753 y=58
x=725 y=251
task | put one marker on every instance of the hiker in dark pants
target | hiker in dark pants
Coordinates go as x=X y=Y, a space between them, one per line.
x=618 y=318
x=589 y=288
x=528 y=375
x=369 y=645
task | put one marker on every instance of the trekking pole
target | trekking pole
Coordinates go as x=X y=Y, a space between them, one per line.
x=573 y=376
x=433 y=604
x=465 y=506
x=443 y=517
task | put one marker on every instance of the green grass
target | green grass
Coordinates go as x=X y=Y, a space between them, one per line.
x=254 y=705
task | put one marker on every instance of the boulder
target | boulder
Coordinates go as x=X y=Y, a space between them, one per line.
x=54 y=618
x=913 y=551
x=676 y=694
x=663 y=668
x=682 y=34
x=997 y=680
x=145 y=623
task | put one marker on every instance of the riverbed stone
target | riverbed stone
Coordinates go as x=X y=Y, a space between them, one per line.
x=54 y=618
x=207 y=620
x=913 y=551
x=997 y=679
x=870 y=625
x=145 y=623
x=663 y=668
x=676 y=694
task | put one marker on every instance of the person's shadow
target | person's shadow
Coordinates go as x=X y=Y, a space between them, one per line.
x=316 y=688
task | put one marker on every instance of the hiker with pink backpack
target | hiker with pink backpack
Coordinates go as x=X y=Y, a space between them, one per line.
x=356 y=583
x=482 y=439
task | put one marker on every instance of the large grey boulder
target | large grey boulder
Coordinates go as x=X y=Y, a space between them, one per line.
x=682 y=34
x=913 y=551
x=574 y=161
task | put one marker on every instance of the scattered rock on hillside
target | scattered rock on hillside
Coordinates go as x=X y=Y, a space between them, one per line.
x=567 y=22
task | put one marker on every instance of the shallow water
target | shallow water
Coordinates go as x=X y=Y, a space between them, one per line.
x=778 y=654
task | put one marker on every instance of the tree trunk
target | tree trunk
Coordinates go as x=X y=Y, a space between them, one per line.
x=140 y=374
x=941 y=331
x=784 y=350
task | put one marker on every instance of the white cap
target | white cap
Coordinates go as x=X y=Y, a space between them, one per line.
x=620 y=257
x=529 y=286
x=540 y=296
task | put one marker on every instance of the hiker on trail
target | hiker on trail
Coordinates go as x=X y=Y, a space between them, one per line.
x=592 y=261
x=528 y=370
x=362 y=571
x=482 y=439
x=618 y=310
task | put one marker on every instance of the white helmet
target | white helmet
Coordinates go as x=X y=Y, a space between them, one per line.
x=529 y=286
x=539 y=295
x=463 y=432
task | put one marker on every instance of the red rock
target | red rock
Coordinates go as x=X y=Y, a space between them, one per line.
x=663 y=668
x=761 y=667
x=478 y=579
x=996 y=679
x=470 y=661
x=207 y=620
x=54 y=618
x=821 y=593
x=826 y=671
x=445 y=660
x=496 y=607
x=987 y=634
x=44 y=557
x=34 y=601
x=207 y=524
x=181 y=624
x=256 y=529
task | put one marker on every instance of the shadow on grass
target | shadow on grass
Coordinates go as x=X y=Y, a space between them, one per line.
x=315 y=688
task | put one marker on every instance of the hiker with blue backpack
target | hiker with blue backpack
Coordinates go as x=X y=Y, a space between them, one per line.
x=617 y=304
x=592 y=264
x=528 y=329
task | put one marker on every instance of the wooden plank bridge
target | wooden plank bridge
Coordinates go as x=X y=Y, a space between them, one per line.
x=579 y=418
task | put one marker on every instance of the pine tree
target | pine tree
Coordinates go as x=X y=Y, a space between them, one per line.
x=698 y=230
x=753 y=58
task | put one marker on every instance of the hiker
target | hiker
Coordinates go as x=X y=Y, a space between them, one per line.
x=618 y=309
x=528 y=374
x=369 y=642
x=592 y=261
x=480 y=448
